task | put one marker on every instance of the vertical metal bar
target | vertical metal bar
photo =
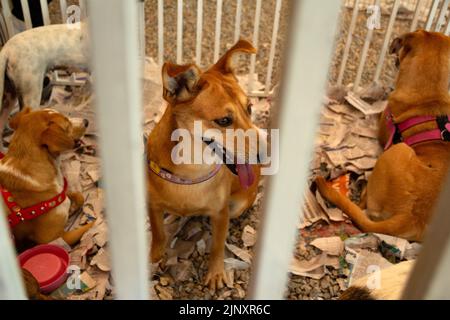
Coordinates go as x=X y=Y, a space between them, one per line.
x=63 y=6
x=6 y=9
x=198 y=48
x=11 y=285
x=348 y=42
x=429 y=279
x=218 y=30
x=416 y=17
x=447 y=28
x=364 y=53
x=180 y=32
x=255 y=44
x=387 y=39
x=432 y=14
x=161 y=32
x=441 y=20
x=237 y=22
x=26 y=14
x=141 y=28
x=311 y=53
x=118 y=102
x=45 y=15
x=273 y=46
x=83 y=9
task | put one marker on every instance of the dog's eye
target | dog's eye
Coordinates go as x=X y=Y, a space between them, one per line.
x=249 y=108
x=224 y=122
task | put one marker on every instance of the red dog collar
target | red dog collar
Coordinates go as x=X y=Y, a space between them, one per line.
x=442 y=133
x=19 y=214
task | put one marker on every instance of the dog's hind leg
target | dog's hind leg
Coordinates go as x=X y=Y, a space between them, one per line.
x=31 y=96
x=9 y=102
x=73 y=236
x=76 y=201
x=238 y=204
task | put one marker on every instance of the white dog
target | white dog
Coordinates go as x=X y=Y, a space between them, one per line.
x=26 y=58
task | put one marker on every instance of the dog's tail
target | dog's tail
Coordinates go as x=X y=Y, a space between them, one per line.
x=396 y=225
x=3 y=62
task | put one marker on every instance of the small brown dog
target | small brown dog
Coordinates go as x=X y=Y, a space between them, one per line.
x=214 y=99
x=32 y=185
x=407 y=179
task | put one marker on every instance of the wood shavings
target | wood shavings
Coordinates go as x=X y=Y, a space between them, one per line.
x=249 y=236
x=102 y=260
x=241 y=253
x=332 y=246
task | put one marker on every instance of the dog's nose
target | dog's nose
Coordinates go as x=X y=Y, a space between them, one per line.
x=85 y=123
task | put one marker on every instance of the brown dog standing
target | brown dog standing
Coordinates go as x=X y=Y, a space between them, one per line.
x=405 y=184
x=214 y=99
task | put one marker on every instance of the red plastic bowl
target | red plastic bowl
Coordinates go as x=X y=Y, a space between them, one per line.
x=48 y=264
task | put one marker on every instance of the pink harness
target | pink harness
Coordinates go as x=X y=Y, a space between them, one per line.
x=442 y=133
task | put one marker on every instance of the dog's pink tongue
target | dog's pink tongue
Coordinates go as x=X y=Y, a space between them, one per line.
x=246 y=175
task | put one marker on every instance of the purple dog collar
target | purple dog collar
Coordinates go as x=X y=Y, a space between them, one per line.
x=168 y=176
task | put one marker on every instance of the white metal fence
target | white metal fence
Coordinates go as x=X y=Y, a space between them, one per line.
x=116 y=63
x=269 y=62
x=431 y=15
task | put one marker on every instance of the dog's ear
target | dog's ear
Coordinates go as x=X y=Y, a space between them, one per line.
x=226 y=64
x=56 y=140
x=396 y=45
x=180 y=83
x=15 y=121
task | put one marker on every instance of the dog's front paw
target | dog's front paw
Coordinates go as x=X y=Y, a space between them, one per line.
x=156 y=253
x=216 y=277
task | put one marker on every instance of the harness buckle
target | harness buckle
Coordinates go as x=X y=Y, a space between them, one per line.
x=442 y=122
x=445 y=135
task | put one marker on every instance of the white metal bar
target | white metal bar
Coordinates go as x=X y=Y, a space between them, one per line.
x=118 y=101
x=432 y=15
x=348 y=42
x=364 y=53
x=218 y=29
x=198 y=48
x=237 y=22
x=161 y=32
x=45 y=15
x=255 y=44
x=429 y=279
x=63 y=6
x=309 y=52
x=6 y=9
x=83 y=9
x=180 y=32
x=447 y=28
x=441 y=20
x=416 y=17
x=141 y=29
x=11 y=285
x=26 y=14
x=387 y=39
x=273 y=45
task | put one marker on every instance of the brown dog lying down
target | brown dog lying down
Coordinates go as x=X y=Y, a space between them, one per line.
x=33 y=187
x=390 y=285
x=405 y=184
x=215 y=99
